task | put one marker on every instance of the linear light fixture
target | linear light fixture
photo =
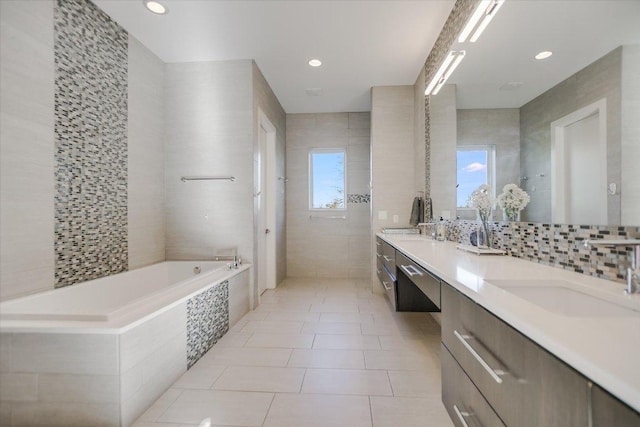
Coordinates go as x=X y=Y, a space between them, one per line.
x=483 y=14
x=449 y=64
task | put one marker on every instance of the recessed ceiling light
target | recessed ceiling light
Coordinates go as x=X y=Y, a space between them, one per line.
x=155 y=7
x=315 y=62
x=544 y=54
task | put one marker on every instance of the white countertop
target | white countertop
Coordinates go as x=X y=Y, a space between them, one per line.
x=604 y=349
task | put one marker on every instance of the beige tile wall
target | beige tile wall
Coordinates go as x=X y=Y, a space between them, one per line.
x=393 y=162
x=59 y=378
x=328 y=247
x=419 y=147
x=152 y=356
x=208 y=131
x=630 y=136
x=443 y=152
x=26 y=147
x=601 y=79
x=27 y=150
x=392 y=154
x=145 y=157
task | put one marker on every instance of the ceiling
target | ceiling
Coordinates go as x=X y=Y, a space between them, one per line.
x=578 y=32
x=361 y=43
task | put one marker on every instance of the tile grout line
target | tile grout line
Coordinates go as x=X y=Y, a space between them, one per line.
x=264 y=420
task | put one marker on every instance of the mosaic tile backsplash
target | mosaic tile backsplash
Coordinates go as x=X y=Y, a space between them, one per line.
x=558 y=245
x=90 y=52
x=207 y=320
x=456 y=20
x=358 y=198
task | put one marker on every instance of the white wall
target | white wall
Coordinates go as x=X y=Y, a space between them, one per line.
x=327 y=247
x=208 y=131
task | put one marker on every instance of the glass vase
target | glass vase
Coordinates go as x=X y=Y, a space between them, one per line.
x=510 y=215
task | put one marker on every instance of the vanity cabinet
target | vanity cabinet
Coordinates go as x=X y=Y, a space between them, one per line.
x=523 y=383
x=608 y=411
x=386 y=270
x=464 y=402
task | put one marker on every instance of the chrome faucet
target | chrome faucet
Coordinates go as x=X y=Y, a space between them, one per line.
x=229 y=255
x=633 y=272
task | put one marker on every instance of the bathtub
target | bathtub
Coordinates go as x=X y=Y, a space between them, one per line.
x=100 y=352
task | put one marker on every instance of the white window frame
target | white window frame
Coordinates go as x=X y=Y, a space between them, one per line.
x=491 y=168
x=313 y=151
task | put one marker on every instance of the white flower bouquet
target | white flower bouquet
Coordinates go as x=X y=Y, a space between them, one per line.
x=482 y=200
x=513 y=199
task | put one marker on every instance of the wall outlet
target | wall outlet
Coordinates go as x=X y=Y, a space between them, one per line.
x=396 y=218
x=382 y=215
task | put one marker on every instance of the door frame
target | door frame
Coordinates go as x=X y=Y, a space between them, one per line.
x=558 y=150
x=265 y=204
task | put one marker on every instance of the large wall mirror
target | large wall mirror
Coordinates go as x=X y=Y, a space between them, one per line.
x=566 y=129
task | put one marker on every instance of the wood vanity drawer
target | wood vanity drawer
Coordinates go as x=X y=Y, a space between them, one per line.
x=525 y=384
x=463 y=401
x=389 y=257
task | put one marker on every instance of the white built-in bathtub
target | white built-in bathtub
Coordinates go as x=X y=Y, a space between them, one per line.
x=100 y=352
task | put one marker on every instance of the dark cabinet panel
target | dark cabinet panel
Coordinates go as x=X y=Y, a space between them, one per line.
x=524 y=383
x=428 y=284
x=463 y=401
x=389 y=257
x=607 y=411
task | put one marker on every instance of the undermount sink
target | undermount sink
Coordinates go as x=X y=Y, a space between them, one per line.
x=557 y=296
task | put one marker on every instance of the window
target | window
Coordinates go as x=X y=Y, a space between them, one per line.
x=475 y=166
x=327 y=179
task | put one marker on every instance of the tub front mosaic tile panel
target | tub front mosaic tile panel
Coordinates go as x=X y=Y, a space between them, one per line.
x=91 y=59
x=558 y=245
x=207 y=320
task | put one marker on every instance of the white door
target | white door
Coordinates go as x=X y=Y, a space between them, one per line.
x=265 y=201
x=579 y=167
x=586 y=184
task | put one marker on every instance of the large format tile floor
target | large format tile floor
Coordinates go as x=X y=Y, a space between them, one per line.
x=316 y=352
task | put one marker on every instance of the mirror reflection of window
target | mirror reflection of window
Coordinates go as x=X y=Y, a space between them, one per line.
x=327 y=182
x=475 y=166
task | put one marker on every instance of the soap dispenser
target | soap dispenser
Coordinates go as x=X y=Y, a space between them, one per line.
x=441 y=230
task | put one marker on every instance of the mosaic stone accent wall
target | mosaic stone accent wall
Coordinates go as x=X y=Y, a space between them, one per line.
x=90 y=143
x=207 y=320
x=558 y=245
x=459 y=15
x=359 y=198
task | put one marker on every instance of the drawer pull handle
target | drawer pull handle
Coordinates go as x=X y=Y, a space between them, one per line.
x=463 y=339
x=386 y=258
x=411 y=270
x=378 y=271
x=461 y=415
x=378 y=255
x=378 y=244
x=384 y=284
